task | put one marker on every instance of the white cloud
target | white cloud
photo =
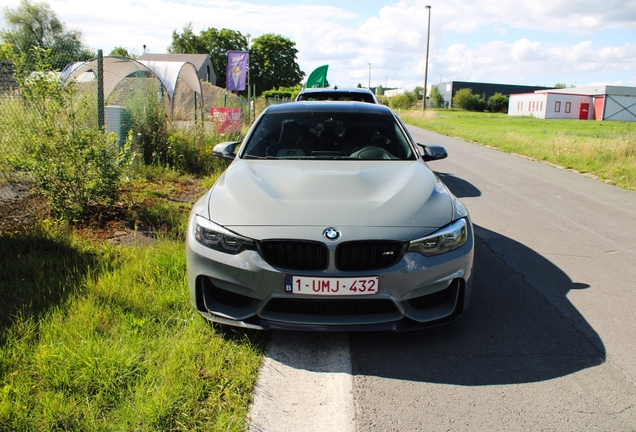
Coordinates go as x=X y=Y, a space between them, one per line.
x=524 y=50
x=510 y=41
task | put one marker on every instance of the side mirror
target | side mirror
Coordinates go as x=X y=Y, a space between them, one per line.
x=431 y=152
x=226 y=150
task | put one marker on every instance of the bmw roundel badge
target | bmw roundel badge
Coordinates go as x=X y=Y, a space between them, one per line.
x=331 y=234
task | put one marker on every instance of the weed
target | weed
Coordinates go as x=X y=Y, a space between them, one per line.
x=56 y=139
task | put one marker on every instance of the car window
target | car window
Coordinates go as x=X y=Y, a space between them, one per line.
x=322 y=135
x=336 y=96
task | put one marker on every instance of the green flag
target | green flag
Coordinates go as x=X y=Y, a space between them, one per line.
x=318 y=78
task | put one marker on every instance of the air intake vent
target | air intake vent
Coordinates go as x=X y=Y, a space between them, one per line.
x=330 y=307
x=432 y=300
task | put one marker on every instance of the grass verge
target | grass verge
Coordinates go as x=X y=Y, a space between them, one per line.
x=604 y=149
x=100 y=337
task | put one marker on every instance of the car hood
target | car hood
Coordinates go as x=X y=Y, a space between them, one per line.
x=329 y=193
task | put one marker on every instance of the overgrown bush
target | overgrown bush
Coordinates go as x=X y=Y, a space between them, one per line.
x=148 y=118
x=437 y=99
x=54 y=130
x=403 y=101
x=282 y=92
x=190 y=149
x=498 y=103
x=466 y=100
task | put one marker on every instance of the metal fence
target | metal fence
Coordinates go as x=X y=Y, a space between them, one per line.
x=19 y=206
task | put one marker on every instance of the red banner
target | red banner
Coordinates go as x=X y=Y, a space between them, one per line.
x=226 y=120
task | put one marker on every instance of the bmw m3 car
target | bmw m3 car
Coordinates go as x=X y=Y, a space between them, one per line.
x=329 y=218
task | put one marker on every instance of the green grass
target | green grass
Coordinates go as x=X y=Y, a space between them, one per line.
x=96 y=337
x=604 y=149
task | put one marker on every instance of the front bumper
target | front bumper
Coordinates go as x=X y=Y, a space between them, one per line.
x=447 y=306
x=245 y=291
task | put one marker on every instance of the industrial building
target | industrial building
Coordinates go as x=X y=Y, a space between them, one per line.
x=448 y=89
x=601 y=102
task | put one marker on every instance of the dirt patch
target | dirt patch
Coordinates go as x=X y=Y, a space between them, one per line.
x=112 y=224
x=20 y=209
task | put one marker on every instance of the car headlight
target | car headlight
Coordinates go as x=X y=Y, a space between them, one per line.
x=218 y=238
x=445 y=240
x=459 y=209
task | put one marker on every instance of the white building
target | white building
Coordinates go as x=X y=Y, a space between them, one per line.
x=603 y=102
x=393 y=92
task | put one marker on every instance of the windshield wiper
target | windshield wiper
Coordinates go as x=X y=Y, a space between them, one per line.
x=251 y=156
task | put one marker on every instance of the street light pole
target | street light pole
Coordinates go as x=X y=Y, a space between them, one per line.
x=369 y=85
x=428 y=37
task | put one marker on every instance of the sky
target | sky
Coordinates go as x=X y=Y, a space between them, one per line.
x=384 y=42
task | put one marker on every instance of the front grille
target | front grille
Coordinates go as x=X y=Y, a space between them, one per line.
x=368 y=255
x=294 y=254
x=432 y=300
x=330 y=307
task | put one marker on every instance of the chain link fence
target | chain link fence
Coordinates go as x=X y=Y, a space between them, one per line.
x=15 y=185
x=139 y=105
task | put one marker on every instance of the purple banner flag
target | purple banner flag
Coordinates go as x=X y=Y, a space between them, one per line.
x=236 y=70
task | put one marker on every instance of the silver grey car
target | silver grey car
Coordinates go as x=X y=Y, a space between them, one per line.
x=329 y=218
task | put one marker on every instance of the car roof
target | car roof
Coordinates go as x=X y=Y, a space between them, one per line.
x=335 y=92
x=329 y=106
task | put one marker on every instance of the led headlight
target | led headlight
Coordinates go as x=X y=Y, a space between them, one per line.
x=446 y=239
x=218 y=238
x=459 y=209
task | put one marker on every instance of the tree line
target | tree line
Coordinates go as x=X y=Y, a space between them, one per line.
x=273 y=58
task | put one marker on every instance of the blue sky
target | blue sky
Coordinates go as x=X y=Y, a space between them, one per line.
x=534 y=42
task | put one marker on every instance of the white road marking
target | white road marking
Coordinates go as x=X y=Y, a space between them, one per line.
x=304 y=384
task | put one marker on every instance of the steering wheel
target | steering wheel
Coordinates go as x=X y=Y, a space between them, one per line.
x=372 y=152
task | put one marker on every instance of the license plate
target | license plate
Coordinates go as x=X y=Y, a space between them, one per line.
x=331 y=286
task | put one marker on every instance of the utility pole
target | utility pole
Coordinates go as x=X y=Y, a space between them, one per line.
x=428 y=37
x=100 y=90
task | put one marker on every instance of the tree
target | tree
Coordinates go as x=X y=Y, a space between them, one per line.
x=218 y=43
x=560 y=85
x=187 y=42
x=35 y=25
x=215 y=43
x=418 y=92
x=122 y=52
x=6 y=51
x=498 y=103
x=273 y=63
x=436 y=97
x=272 y=57
x=379 y=91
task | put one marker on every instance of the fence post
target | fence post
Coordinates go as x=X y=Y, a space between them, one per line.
x=100 y=89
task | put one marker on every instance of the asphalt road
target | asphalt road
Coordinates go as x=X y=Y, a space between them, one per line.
x=549 y=340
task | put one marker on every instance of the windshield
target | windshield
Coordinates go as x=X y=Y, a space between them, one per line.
x=336 y=96
x=328 y=135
